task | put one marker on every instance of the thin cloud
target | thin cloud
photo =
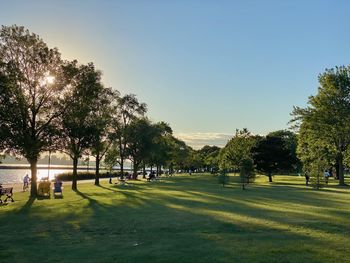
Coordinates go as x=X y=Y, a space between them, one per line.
x=199 y=139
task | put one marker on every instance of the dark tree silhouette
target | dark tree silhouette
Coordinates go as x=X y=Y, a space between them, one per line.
x=30 y=99
x=270 y=156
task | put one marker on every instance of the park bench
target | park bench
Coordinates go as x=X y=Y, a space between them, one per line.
x=7 y=191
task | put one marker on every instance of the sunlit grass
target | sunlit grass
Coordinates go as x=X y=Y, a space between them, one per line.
x=181 y=219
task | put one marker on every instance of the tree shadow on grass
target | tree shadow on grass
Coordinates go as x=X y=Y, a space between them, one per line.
x=215 y=226
x=107 y=188
x=92 y=202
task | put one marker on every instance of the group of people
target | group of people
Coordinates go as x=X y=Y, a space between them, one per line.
x=326 y=175
x=57 y=184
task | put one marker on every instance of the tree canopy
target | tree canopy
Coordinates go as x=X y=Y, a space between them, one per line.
x=270 y=156
x=30 y=102
x=324 y=125
x=238 y=149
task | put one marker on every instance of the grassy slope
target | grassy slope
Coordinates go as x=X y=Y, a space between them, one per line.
x=181 y=219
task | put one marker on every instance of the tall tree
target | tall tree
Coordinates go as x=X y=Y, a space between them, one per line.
x=312 y=150
x=271 y=156
x=159 y=152
x=179 y=153
x=30 y=95
x=105 y=131
x=290 y=141
x=327 y=116
x=210 y=157
x=138 y=136
x=237 y=149
x=79 y=127
x=129 y=108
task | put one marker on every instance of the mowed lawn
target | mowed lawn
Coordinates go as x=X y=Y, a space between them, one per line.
x=181 y=219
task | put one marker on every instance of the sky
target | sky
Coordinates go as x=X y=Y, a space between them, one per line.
x=205 y=67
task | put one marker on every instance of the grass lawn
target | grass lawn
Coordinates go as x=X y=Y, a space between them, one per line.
x=181 y=219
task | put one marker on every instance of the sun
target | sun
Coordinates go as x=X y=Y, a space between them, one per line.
x=49 y=79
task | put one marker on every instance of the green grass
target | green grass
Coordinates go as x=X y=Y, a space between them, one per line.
x=181 y=219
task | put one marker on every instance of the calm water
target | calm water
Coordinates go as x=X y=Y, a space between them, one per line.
x=10 y=176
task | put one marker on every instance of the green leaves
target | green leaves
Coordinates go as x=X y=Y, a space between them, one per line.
x=237 y=149
x=324 y=126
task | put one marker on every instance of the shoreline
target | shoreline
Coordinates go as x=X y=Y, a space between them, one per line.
x=18 y=187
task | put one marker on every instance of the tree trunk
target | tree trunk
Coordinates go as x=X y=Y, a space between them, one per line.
x=144 y=171
x=33 y=169
x=121 y=167
x=270 y=178
x=97 y=172
x=75 y=168
x=151 y=168
x=171 y=169
x=135 y=171
x=337 y=169
x=341 y=169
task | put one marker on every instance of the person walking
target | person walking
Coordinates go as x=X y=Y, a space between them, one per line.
x=307 y=179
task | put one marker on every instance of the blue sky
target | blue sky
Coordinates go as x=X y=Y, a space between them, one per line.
x=205 y=67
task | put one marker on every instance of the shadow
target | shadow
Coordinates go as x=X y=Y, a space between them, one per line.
x=29 y=202
x=27 y=206
x=43 y=197
x=196 y=216
x=92 y=201
x=107 y=188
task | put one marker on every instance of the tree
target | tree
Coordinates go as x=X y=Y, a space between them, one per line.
x=128 y=109
x=112 y=157
x=79 y=126
x=210 y=157
x=247 y=172
x=104 y=134
x=138 y=137
x=237 y=149
x=312 y=150
x=270 y=156
x=179 y=153
x=317 y=168
x=290 y=142
x=327 y=116
x=159 y=152
x=30 y=99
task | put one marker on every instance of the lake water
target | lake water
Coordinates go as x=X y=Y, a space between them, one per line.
x=8 y=176
x=13 y=175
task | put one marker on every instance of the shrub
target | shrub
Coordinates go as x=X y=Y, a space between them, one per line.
x=86 y=175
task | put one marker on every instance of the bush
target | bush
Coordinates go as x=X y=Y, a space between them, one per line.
x=86 y=175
